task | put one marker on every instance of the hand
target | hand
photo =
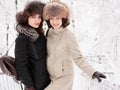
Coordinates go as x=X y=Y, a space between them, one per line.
x=30 y=88
x=98 y=76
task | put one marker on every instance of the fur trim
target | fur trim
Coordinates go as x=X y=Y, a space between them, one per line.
x=55 y=9
x=30 y=32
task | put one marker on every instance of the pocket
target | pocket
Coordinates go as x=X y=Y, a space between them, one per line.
x=58 y=68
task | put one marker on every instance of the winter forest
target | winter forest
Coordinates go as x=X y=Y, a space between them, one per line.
x=96 y=24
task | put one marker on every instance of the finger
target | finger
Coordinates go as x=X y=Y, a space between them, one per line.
x=102 y=76
x=99 y=80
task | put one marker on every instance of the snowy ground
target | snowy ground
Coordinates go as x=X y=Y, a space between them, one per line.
x=96 y=24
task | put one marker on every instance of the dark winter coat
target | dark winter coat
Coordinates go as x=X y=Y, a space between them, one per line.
x=32 y=71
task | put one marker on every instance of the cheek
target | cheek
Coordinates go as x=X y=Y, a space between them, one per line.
x=51 y=21
x=60 y=22
x=29 y=21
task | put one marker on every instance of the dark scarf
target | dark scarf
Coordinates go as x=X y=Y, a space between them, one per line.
x=28 y=31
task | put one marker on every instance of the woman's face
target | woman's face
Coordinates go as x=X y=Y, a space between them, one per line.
x=56 y=22
x=34 y=20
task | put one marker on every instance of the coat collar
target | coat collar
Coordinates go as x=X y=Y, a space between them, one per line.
x=57 y=31
x=30 y=32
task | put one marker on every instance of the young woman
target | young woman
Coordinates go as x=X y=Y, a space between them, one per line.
x=30 y=48
x=63 y=49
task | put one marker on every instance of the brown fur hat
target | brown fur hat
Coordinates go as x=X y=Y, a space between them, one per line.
x=53 y=8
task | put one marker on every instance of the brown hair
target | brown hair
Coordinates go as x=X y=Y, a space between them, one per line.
x=32 y=8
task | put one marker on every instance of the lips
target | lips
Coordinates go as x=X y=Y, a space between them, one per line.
x=55 y=25
x=36 y=24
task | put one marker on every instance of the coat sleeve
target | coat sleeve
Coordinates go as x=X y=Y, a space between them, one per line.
x=77 y=55
x=21 y=61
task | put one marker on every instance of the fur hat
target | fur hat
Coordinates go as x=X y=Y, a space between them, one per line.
x=52 y=9
x=31 y=8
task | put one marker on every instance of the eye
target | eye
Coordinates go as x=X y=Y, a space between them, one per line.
x=39 y=16
x=58 y=18
x=33 y=16
x=51 y=18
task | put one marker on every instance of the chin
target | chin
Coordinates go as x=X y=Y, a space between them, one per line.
x=56 y=27
x=35 y=26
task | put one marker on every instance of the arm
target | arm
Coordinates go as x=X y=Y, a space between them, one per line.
x=77 y=55
x=21 y=61
x=79 y=60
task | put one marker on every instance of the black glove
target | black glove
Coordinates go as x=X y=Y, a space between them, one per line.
x=98 y=76
x=30 y=88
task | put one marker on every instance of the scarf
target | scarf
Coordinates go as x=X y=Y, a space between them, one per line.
x=28 y=31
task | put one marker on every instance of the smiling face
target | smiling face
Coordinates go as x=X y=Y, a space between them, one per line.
x=34 y=20
x=56 y=22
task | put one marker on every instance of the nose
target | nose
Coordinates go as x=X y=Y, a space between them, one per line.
x=54 y=21
x=37 y=19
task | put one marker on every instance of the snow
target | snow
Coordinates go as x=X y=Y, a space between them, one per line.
x=96 y=24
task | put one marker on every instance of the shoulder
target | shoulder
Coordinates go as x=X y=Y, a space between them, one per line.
x=70 y=36
x=22 y=42
x=22 y=38
x=69 y=33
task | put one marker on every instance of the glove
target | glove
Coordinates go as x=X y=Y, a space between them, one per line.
x=30 y=88
x=98 y=76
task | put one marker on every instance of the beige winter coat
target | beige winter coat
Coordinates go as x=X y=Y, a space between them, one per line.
x=63 y=50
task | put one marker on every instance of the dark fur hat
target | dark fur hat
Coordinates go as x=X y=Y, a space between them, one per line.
x=31 y=8
x=34 y=7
